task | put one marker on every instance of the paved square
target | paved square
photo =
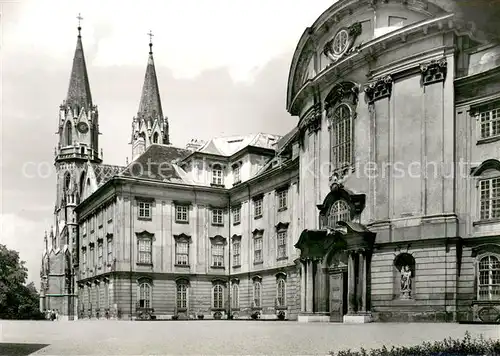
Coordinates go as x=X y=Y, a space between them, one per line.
x=223 y=337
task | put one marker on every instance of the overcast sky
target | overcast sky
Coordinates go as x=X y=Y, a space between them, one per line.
x=222 y=67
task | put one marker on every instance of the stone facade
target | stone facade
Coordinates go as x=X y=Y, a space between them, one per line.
x=381 y=205
x=397 y=108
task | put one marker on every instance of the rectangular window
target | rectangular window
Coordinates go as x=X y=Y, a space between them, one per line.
x=110 y=213
x=489 y=278
x=257 y=249
x=490 y=198
x=110 y=251
x=92 y=258
x=217 y=217
x=257 y=204
x=236 y=253
x=341 y=137
x=236 y=174
x=218 y=296
x=182 y=253
x=98 y=296
x=99 y=254
x=144 y=251
x=144 y=210
x=217 y=175
x=282 y=199
x=218 y=255
x=396 y=21
x=282 y=237
x=236 y=215
x=181 y=213
x=182 y=296
x=490 y=123
x=100 y=217
x=84 y=259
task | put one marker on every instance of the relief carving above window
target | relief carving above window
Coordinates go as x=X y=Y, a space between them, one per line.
x=342 y=42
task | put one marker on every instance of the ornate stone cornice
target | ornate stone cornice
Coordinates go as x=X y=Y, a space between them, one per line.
x=434 y=71
x=379 y=89
x=345 y=91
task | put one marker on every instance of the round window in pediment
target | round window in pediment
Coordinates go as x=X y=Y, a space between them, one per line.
x=340 y=42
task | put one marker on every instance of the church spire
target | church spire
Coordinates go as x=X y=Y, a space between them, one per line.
x=79 y=88
x=150 y=104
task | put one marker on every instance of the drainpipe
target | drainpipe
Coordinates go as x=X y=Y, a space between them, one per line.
x=130 y=249
x=229 y=252
x=249 y=244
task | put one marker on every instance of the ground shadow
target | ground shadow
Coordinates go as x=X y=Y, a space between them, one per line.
x=7 y=349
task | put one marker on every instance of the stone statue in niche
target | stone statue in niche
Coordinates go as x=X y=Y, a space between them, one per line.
x=405 y=282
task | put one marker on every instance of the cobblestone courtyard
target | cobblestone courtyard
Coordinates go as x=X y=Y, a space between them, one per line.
x=221 y=337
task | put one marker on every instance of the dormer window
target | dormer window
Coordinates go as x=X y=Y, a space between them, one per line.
x=217 y=178
x=156 y=137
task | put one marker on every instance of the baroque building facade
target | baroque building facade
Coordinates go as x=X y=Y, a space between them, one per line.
x=381 y=205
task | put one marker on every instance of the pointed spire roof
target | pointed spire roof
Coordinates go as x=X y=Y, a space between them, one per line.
x=79 y=87
x=150 y=105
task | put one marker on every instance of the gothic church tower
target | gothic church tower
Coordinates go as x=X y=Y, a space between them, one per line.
x=78 y=130
x=149 y=126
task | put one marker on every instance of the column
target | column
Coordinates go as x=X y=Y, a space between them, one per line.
x=302 y=286
x=365 y=281
x=310 y=286
x=351 y=283
x=362 y=279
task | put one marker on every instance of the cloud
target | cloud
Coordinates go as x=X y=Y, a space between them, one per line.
x=191 y=36
x=222 y=67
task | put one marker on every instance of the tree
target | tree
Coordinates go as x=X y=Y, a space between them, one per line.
x=17 y=300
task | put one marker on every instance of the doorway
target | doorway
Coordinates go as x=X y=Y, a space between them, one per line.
x=338 y=296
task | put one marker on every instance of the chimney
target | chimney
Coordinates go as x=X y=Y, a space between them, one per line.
x=195 y=144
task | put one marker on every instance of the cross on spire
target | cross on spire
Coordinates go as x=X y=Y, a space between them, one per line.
x=150 y=34
x=80 y=18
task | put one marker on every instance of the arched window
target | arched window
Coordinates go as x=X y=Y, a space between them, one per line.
x=235 y=296
x=98 y=296
x=67 y=181
x=182 y=295
x=281 y=292
x=68 y=134
x=145 y=295
x=87 y=190
x=217 y=178
x=218 y=296
x=156 y=137
x=489 y=278
x=341 y=137
x=257 y=296
x=339 y=211
x=82 y=183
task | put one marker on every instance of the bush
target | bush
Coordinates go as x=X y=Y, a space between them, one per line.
x=448 y=347
x=255 y=315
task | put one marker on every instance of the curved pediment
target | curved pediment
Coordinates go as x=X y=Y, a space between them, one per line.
x=356 y=201
x=484 y=166
x=144 y=234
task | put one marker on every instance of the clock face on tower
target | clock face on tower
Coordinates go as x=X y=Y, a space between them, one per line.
x=82 y=127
